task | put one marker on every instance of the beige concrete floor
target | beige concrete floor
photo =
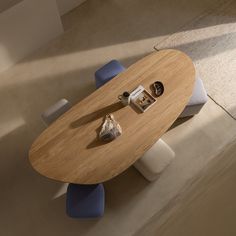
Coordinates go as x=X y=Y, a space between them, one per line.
x=97 y=32
x=207 y=207
x=212 y=46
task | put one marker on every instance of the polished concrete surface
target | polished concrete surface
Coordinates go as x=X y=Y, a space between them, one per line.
x=207 y=207
x=97 y=32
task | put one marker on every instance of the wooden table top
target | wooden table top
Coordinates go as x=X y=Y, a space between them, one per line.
x=69 y=150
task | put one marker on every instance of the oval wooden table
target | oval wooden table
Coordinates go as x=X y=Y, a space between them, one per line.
x=69 y=150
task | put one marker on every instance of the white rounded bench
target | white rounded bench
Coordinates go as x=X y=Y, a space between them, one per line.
x=155 y=160
x=197 y=100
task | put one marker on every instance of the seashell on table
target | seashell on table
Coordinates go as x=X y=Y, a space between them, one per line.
x=110 y=129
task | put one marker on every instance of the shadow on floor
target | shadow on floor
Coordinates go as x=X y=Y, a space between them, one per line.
x=99 y=23
x=26 y=196
x=96 y=115
x=136 y=21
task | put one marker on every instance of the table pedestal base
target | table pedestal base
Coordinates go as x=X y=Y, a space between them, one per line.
x=155 y=160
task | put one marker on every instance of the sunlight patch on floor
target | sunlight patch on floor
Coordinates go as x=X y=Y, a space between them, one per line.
x=11 y=125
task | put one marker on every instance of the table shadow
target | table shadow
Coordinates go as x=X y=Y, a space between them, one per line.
x=96 y=115
x=97 y=142
x=179 y=121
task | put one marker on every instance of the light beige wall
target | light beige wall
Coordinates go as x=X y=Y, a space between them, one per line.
x=25 y=27
x=6 y=4
x=65 y=6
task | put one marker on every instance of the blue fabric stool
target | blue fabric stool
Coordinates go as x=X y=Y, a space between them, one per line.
x=85 y=201
x=107 y=72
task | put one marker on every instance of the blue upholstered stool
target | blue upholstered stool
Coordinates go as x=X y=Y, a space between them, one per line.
x=85 y=201
x=107 y=72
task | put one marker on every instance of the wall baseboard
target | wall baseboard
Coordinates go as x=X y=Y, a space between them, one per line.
x=65 y=6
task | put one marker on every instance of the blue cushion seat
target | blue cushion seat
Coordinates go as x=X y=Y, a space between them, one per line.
x=85 y=201
x=107 y=72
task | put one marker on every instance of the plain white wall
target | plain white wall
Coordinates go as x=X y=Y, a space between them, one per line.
x=67 y=5
x=25 y=27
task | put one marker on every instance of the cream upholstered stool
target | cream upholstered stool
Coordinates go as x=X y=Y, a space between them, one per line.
x=155 y=160
x=197 y=100
x=55 y=111
x=159 y=156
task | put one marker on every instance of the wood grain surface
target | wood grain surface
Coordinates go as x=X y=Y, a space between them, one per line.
x=69 y=150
